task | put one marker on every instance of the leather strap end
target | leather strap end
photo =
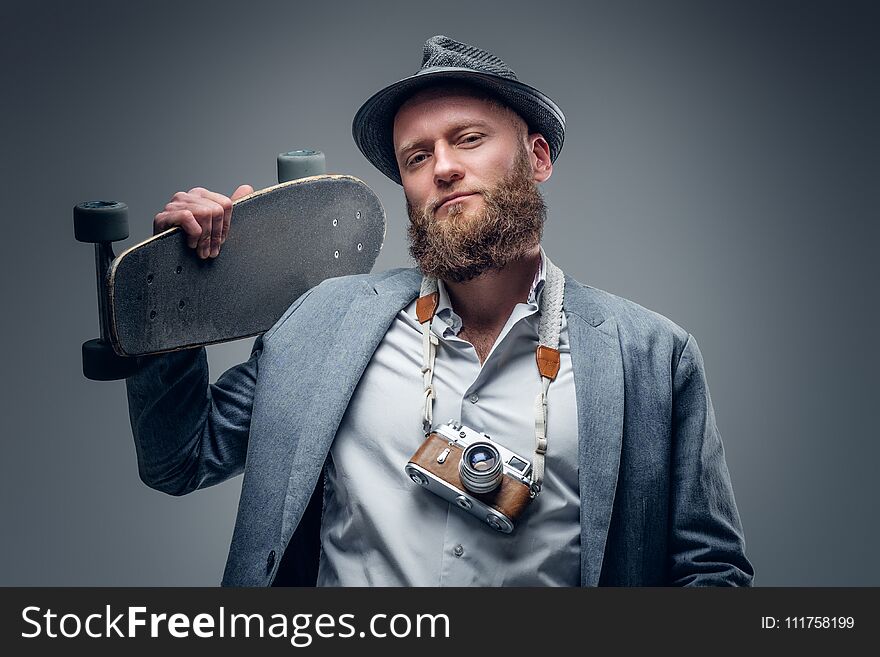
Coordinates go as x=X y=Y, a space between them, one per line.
x=548 y=361
x=426 y=306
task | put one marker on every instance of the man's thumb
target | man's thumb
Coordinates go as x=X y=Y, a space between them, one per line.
x=243 y=190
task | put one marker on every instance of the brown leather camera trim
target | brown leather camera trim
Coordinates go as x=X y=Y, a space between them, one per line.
x=510 y=498
x=426 y=306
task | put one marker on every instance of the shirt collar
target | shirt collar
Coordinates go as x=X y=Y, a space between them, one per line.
x=449 y=316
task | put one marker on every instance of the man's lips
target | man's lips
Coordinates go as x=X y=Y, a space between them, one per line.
x=454 y=197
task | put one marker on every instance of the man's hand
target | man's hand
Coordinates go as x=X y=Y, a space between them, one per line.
x=203 y=215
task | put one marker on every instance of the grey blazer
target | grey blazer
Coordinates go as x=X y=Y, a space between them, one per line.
x=657 y=505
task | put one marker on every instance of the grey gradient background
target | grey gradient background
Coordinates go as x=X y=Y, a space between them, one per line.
x=720 y=167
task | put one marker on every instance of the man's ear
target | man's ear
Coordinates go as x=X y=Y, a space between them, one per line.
x=539 y=157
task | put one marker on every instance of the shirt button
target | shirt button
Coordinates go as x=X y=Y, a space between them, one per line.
x=270 y=561
x=458 y=550
x=474 y=399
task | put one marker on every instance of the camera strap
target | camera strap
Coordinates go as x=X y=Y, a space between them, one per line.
x=546 y=355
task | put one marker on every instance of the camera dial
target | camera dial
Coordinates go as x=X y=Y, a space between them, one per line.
x=417 y=476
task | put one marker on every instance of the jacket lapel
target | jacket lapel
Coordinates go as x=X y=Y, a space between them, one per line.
x=358 y=335
x=598 y=378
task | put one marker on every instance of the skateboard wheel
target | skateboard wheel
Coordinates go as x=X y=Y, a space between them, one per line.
x=100 y=221
x=101 y=363
x=300 y=164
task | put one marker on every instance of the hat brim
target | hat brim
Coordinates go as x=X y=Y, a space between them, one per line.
x=373 y=125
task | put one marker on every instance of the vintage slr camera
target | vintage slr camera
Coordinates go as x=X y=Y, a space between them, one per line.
x=476 y=473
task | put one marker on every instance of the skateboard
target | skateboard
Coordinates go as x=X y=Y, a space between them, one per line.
x=159 y=296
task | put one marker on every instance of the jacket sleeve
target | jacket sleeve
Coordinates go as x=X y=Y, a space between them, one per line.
x=189 y=434
x=707 y=546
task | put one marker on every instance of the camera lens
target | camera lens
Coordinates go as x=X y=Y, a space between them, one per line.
x=481 y=467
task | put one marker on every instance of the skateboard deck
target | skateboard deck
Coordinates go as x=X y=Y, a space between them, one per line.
x=282 y=241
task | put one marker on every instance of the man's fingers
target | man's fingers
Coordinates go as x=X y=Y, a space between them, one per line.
x=202 y=212
x=191 y=227
x=209 y=214
x=242 y=190
x=179 y=217
x=218 y=233
x=187 y=215
x=204 y=216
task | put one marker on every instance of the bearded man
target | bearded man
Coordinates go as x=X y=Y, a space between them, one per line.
x=603 y=404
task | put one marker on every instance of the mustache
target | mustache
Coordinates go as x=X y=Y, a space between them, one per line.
x=432 y=205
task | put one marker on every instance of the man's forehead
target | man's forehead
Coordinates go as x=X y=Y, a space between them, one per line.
x=460 y=106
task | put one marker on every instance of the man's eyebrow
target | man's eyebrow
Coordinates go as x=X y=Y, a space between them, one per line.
x=457 y=127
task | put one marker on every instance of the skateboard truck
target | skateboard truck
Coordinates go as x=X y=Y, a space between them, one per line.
x=105 y=222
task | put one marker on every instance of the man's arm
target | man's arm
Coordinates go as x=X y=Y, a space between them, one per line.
x=189 y=434
x=707 y=546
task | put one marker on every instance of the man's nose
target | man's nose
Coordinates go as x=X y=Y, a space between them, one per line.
x=447 y=166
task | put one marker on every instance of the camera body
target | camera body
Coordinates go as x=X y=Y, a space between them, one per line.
x=475 y=473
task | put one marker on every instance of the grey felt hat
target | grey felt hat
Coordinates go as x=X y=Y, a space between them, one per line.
x=445 y=59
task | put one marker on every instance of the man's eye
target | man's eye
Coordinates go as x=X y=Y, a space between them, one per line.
x=415 y=159
x=470 y=139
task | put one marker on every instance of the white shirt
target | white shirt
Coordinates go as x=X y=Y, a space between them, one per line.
x=381 y=529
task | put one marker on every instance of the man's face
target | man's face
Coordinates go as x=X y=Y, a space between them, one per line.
x=470 y=175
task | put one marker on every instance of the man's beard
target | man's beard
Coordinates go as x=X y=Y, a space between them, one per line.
x=463 y=245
